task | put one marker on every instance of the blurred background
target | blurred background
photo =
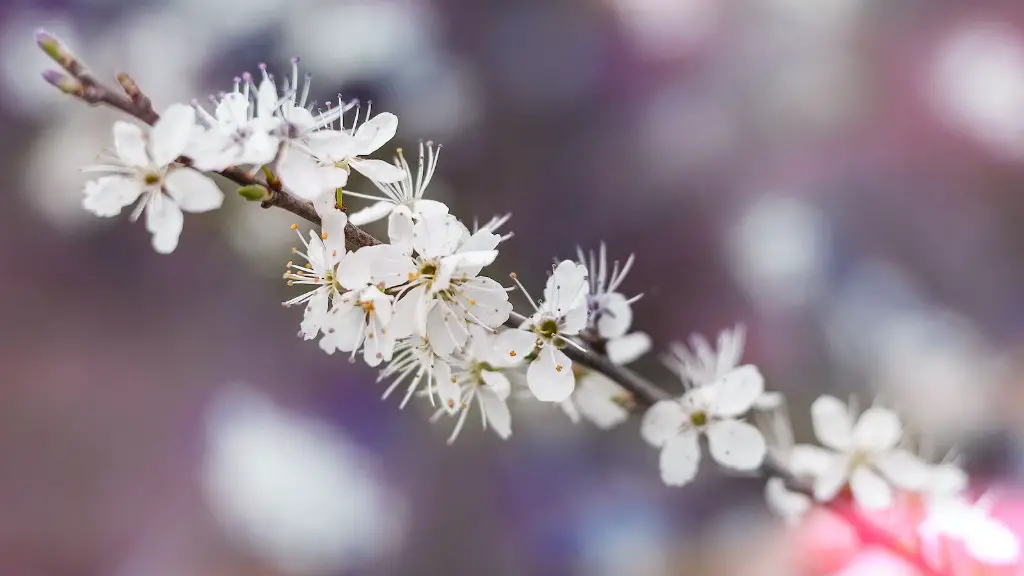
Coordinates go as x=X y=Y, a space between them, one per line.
x=844 y=177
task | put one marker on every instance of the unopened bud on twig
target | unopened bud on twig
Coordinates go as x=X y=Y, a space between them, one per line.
x=56 y=50
x=129 y=86
x=253 y=193
x=63 y=82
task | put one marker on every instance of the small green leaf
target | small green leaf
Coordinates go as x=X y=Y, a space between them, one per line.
x=253 y=192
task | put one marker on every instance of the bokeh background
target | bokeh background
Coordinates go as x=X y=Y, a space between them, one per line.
x=845 y=177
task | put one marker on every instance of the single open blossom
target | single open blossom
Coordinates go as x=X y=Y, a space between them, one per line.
x=414 y=361
x=243 y=130
x=435 y=268
x=360 y=317
x=144 y=170
x=323 y=253
x=611 y=313
x=714 y=410
x=703 y=365
x=598 y=399
x=403 y=198
x=862 y=454
x=476 y=377
x=562 y=314
x=320 y=162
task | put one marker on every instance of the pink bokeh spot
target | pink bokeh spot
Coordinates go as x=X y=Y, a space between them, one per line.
x=826 y=543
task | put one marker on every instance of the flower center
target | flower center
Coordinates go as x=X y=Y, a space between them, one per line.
x=699 y=418
x=428 y=269
x=548 y=328
x=151 y=179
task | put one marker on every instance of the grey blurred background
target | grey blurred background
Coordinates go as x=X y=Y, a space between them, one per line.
x=844 y=177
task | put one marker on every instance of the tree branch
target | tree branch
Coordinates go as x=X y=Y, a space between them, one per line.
x=135 y=103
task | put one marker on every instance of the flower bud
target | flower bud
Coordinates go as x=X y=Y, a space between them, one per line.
x=56 y=50
x=62 y=82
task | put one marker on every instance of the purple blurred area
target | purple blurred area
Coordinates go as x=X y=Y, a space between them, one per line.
x=846 y=178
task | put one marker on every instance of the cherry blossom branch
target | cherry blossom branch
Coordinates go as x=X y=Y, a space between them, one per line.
x=77 y=81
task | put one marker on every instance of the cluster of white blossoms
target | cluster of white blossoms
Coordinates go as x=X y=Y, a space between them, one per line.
x=421 y=309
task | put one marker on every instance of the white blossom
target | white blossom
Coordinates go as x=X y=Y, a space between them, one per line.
x=319 y=162
x=611 y=313
x=863 y=455
x=323 y=253
x=597 y=399
x=478 y=375
x=403 y=198
x=714 y=410
x=413 y=361
x=243 y=129
x=562 y=314
x=703 y=365
x=144 y=169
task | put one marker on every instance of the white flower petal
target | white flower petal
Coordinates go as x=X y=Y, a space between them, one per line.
x=628 y=348
x=595 y=397
x=171 y=134
x=437 y=236
x=497 y=383
x=106 y=196
x=401 y=228
x=870 y=490
x=164 y=220
x=388 y=264
x=573 y=320
x=332 y=225
x=266 y=99
x=486 y=300
x=445 y=330
x=662 y=421
x=566 y=288
x=130 y=144
x=498 y=417
x=343 y=327
x=448 y=390
x=832 y=423
x=301 y=175
x=680 y=459
x=315 y=314
x=788 y=505
x=376 y=132
x=377 y=170
x=877 y=429
x=615 y=316
x=737 y=445
x=404 y=321
x=903 y=469
x=372 y=213
x=809 y=460
x=737 y=390
x=550 y=375
x=193 y=191
x=260 y=148
x=426 y=207
x=832 y=478
x=331 y=145
x=514 y=345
